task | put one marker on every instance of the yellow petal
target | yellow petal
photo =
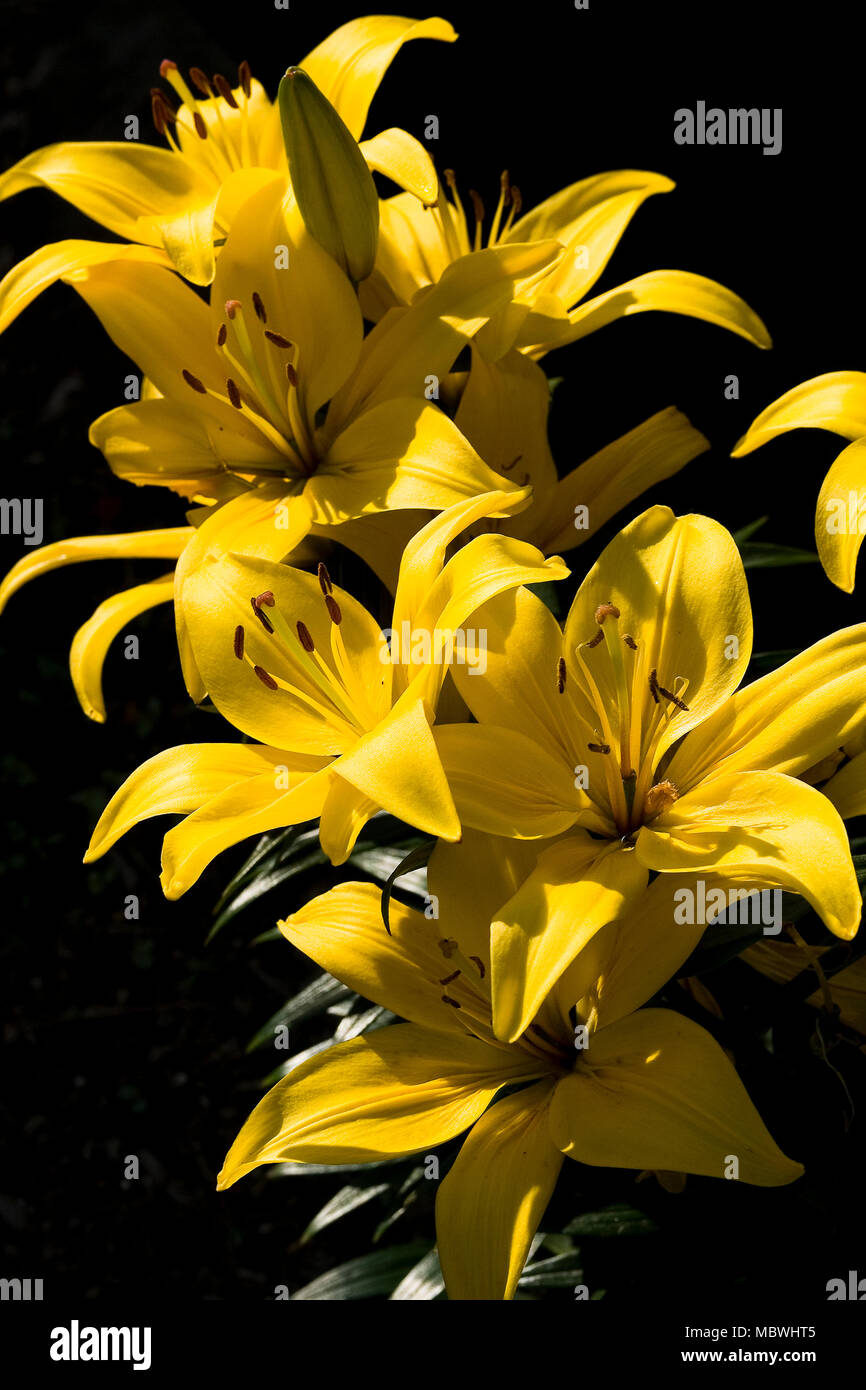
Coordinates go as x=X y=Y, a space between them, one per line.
x=412 y=253
x=493 y=1198
x=835 y=401
x=400 y=157
x=344 y=814
x=847 y=788
x=786 y=721
x=177 y=781
x=165 y=544
x=343 y=932
x=680 y=587
x=760 y=827
x=576 y=888
x=91 y=642
x=395 y=1091
x=656 y=1091
x=615 y=476
x=505 y=783
x=291 y=790
x=840 y=518
x=55 y=262
x=350 y=63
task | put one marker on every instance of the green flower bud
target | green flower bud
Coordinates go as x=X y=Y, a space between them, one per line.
x=336 y=194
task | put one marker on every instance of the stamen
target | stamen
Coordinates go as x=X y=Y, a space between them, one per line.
x=594 y=641
x=200 y=127
x=674 y=699
x=606 y=610
x=478 y=207
x=167 y=66
x=199 y=80
x=262 y=617
x=598 y=747
x=239 y=642
x=324 y=580
x=277 y=339
x=479 y=963
x=245 y=77
x=630 y=642
x=334 y=611
x=222 y=335
x=507 y=467
x=455 y=974
x=265 y=678
x=225 y=90
x=447 y=945
x=654 y=684
x=291 y=374
x=259 y=307
x=304 y=637
x=504 y=199
x=232 y=306
x=266 y=598
x=159 y=112
x=660 y=797
x=446 y=999
x=194 y=382
x=234 y=394
x=560 y=675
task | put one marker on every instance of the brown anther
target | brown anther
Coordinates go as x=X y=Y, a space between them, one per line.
x=291 y=374
x=200 y=127
x=606 y=610
x=231 y=307
x=560 y=675
x=224 y=90
x=166 y=66
x=222 y=335
x=199 y=79
x=157 y=111
x=277 y=339
x=447 y=945
x=477 y=204
x=659 y=798
x=516 y=199
x=674 y=699
x=450 y=178
x=194 y=382
x=654 y=684
x=266 y=598
x=598 y=747
x=446 y=999
x=630 y=642
x=304 y=637
x=263 y=619
x=453 y=976
x=594 y=641
x=324 y=580
x=259 y=307
x=505 y=185
x=334 y=611
x=507 y=467
x=239 y=642
x=266 y=678
x=523 y=480
x=233 y=393
x=479 y=965
x=245 y=77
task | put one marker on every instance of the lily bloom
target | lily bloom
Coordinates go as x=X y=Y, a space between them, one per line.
x=598 y=1083
x=837 y=402
x=343 y=728
x=270 y=408
x=417 y=243
x=221 y=141
x=623 y=736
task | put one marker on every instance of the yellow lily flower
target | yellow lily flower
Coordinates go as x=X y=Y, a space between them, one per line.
x=837 y=402
x=222 y=141
x=626 y=732
x=649 y=1089
x=232 y=415
x=343 y=728
x=417 y=243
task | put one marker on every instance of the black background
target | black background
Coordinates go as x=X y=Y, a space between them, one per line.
x=128 y=1037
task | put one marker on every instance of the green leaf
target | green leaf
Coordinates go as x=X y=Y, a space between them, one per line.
x=413 y=860
x=617 y=1220
x=368 y=1276
x=348 y=1199
x=423 y=1282
x=559 y=1272
x=746 y=532
x=762 y=662
x=764 y=555
x=314 y=998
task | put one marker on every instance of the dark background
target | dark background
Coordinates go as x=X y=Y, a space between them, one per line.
x=128 y=1037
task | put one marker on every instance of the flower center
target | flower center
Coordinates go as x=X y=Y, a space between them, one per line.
x=632 y=717
x=215 y=128
x=452 y=223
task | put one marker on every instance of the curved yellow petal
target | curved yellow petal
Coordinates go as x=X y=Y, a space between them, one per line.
x=163 y=544
x=493 y=1198
x=342 y=931
x=395 y=1091
x=835 y=401
x=557 y=215
x=91 y=642
x=840 y=518
x=413 y=252
x=56 y=261
x=847 y=788
x=761 y=827
x=656 y=1091
x=577 y=887
x=176 y=781
x=349 y=64
x=290 y=791
x=615 y=476
x=681 y=591
x=788 y=720
x=505 y=783
x=344 y=814
x=400 y=157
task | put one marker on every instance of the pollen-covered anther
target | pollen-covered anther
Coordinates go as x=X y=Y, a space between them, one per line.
x=507 y=467
x=598 y=747
x=199 y=79
x=200 y=127
x=233 y=394
x=291 y=374
x=674 y=699
x=447 y=945
x=304 y=637
x=630 y=642
x=477 y=204
x=446 y=999
x=266 y=678
x=560 y=675
x=277 y=339
x=334 y=610
x=606 y=610
x=654 y=685
x=455 y=974
x=516 y=200
x=266 y=598
x=659 y=798
x=324 y=580
x=222 y=335
x=231 y=307
x=505 y=186
x=245 y=77
x=239 y=642
x=594 y=641
x=259 y=307
x=166 y=66
x=194 y=382
x=262 y=617
x=479 y=965
x=225 y=90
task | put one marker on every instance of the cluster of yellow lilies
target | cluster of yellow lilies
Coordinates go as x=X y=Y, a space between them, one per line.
x=297 y=339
